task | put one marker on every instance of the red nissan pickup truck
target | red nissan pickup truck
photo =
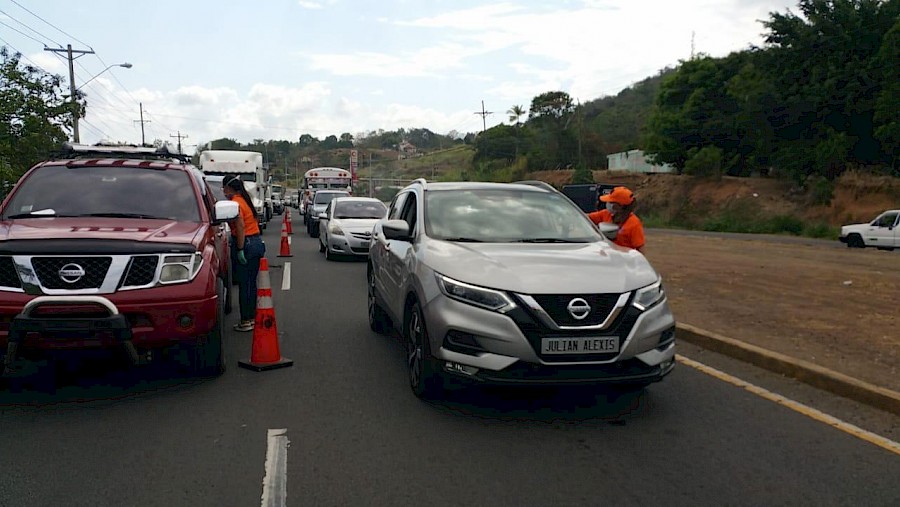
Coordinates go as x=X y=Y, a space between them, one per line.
x=114 y=248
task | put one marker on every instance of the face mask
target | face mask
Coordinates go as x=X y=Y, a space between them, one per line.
x=609 y=207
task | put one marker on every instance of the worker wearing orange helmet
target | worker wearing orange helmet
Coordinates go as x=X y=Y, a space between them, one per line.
x=618 y=207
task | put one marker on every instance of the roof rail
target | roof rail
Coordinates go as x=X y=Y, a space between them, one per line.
x=538 y=183
x=130 y=151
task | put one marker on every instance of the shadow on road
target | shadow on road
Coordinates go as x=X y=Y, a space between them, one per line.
x=53 y=382
x=575 y=405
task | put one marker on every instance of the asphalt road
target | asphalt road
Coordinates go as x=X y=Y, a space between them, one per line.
x=359 y=437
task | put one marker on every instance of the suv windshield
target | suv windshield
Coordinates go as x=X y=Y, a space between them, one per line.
x=105 y=191
x=326 y=197
x=359 y=209
x=505 y=215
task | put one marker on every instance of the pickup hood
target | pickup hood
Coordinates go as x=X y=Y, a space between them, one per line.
x=141 y=230
x=528 y=268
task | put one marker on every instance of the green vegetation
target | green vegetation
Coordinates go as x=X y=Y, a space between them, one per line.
x=34 y=115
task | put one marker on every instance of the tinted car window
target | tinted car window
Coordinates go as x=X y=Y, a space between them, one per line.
x=359 y=209
x=80 y=191
x=504 y=215
x=218 y=193
x=326 y=197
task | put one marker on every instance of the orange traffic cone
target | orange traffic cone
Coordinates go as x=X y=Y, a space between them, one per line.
x=285 y=243
x=265 y=354
x=287 y=220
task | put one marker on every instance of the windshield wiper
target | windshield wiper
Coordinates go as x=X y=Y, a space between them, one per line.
x=124 y=215
x=37 y=214
x=464 y=240
x=547 y=240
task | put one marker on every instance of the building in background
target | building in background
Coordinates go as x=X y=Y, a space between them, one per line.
x=634 y=161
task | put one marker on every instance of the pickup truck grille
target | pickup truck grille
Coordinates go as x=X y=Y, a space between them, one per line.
x=141 y=271
x=8 y=275
x=48 y=271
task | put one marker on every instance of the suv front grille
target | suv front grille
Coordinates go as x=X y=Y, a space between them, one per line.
x=48 y=271
x=141 y=271
x=556 y=307
x=8 y=275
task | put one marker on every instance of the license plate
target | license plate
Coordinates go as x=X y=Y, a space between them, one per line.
x=592 y=345
x=364 y=244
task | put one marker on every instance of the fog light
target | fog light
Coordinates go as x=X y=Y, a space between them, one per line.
x=185 y=321
x=460 y=368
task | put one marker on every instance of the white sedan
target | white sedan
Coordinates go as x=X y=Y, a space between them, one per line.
x=345 y=227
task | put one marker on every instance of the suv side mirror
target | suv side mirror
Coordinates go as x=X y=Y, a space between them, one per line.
x=226 y=210
x=609 y=230
x=396 y=229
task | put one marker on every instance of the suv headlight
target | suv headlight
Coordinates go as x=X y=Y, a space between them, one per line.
x=477 y=296
x=180 y=268
x=648 y=296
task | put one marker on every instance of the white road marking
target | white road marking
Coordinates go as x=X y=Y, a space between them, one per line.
x=274 y=493
x=796 y=406
x=286 y=277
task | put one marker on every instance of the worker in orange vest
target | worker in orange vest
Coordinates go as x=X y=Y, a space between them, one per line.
x=618 y=207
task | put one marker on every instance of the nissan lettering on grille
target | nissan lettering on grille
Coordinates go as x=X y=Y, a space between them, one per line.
x=71 y=273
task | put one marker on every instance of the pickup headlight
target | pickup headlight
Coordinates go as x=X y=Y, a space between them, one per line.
x=648 y=296
x=335 y=229
x=180 y=268
x=489 y=299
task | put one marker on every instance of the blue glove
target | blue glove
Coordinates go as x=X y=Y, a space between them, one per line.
x=241 y=258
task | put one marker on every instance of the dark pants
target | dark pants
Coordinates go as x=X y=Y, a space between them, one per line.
x=254 y=250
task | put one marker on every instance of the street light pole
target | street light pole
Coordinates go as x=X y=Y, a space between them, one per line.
x=76 y=137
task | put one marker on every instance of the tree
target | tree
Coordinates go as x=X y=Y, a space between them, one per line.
x=346 y=140
x=887 y=105
x=515 y=113
x=554 y=106
x=34 y=114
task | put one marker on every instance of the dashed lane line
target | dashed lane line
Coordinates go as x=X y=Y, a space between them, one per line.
x=274 y=492
x=286 y=277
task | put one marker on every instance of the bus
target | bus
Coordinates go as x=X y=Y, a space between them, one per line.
x=319 y=178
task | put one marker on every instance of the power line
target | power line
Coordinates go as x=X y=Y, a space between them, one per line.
x=22 y=33
x=39 y=34
x=22 y=54
x=60 y=30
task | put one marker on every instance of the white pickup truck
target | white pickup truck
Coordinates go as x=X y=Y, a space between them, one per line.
x=881 y=233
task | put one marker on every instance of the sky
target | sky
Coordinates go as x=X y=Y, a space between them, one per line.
x=276 y=69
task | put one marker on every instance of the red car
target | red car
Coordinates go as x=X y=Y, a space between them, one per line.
x=114 y=247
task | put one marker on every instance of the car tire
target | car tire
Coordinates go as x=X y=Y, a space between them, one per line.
x=209 y=354
x=855 y=241
x=378 y=318
x=425 y=378
x=229 y=292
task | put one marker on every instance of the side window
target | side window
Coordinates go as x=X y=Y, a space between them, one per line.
x=887 y=220
x=410 y=212
x=397 y=206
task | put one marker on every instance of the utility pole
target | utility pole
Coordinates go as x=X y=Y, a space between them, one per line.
x=142 y=121
x=72 y=98
x=180 y=137
x=693 y=34
x=483 y=115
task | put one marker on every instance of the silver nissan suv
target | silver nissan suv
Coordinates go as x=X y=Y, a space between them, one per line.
x=512 y=284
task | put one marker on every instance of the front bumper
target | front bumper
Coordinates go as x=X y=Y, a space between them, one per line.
x=348 y=245
x=507 y=344
x=73 y=322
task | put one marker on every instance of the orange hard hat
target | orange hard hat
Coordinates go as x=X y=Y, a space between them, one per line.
x=619 y=195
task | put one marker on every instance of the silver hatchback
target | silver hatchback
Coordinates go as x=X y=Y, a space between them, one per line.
x=512 y=284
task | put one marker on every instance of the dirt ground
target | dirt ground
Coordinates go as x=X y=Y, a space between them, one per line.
x=835 y=307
